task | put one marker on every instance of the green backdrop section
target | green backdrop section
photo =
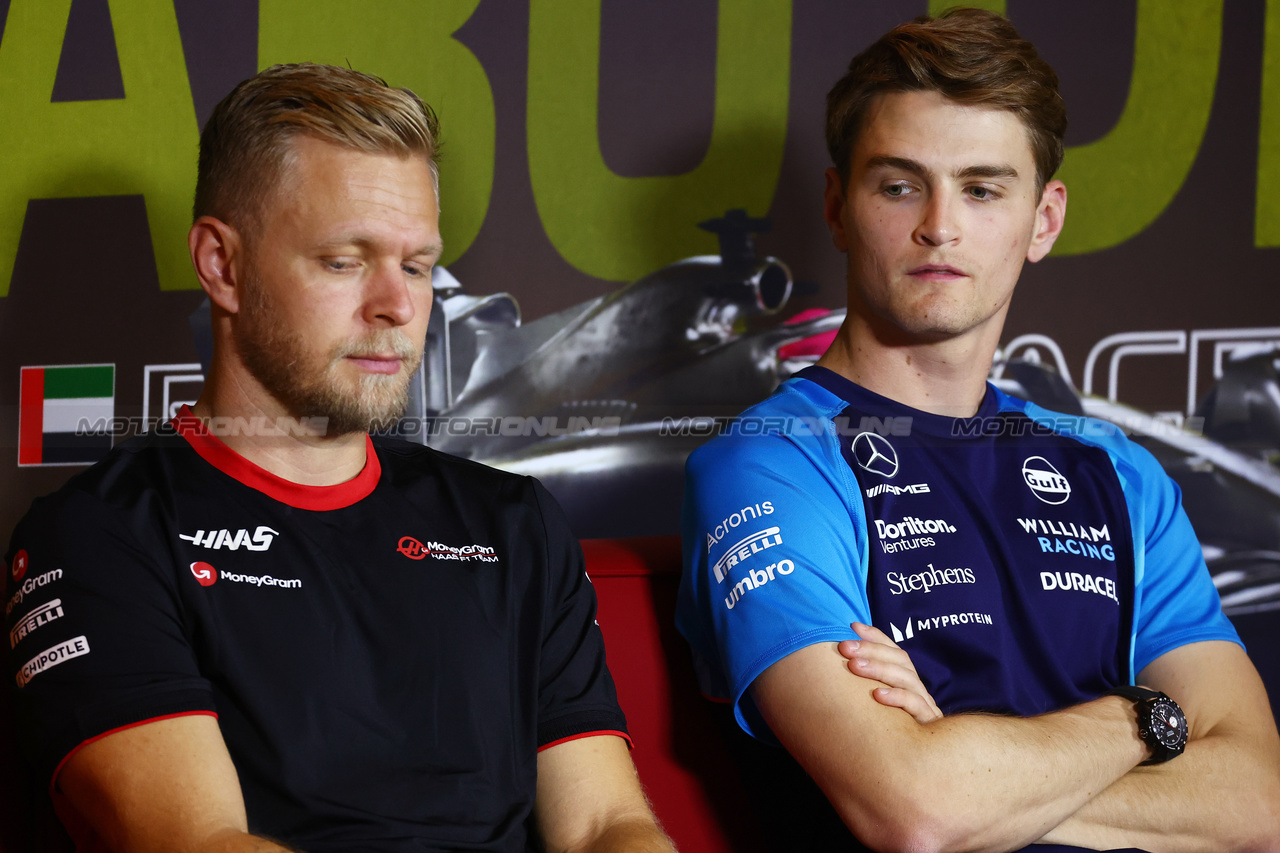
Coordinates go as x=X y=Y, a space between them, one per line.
x=621 y=228
x=144 y=143
x=937 y=7
x=1266 y=226
x=409 y=44
x=1122 y=182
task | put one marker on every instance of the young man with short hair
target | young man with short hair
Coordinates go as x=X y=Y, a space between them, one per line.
x=261 y=622
x=1023 y=572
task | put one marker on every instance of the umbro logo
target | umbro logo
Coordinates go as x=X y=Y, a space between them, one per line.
x=874 y=453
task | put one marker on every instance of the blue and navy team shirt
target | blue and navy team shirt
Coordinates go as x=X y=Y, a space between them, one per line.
x=1027 y=561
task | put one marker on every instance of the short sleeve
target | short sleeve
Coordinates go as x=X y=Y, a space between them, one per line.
x=97 y=641
x=576 y=694
x=774 y=558
x=1176 y=602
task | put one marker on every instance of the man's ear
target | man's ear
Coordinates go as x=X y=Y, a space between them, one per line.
x=833 y=209
x=217 y=253
x=1051 y=215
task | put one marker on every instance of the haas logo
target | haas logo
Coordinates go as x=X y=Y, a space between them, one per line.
x=205 y=574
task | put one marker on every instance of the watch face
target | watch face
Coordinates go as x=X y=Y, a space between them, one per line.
x=1168 y=726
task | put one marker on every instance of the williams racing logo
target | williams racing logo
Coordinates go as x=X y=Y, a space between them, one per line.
x=415 y=550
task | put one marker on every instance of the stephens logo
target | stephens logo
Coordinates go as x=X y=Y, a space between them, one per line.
x=874 y=453
x=19 y=566
x=415 y=550
x=206 y=575
x=1045 y=482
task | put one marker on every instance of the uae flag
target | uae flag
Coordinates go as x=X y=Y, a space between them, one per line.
x=58 y=409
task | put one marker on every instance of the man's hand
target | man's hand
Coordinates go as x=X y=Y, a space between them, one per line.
x=879 y=658
x=589 y=800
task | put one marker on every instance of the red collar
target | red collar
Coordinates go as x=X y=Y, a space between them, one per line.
x=315 y=498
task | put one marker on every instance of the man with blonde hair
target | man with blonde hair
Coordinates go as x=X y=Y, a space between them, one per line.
x=260 y=622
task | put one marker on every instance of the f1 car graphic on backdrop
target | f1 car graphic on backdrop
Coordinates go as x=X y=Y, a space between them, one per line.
x=604 y=400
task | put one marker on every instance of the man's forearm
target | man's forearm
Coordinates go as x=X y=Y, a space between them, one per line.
x=969 y=781
x=1223 y=793
x=1205 y=799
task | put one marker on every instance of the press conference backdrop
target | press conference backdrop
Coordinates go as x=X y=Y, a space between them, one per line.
x=584 y=143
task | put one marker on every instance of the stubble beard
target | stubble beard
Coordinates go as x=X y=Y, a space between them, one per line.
x=307 y=383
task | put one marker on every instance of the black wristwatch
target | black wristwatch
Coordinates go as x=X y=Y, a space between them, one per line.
x=1161 y=723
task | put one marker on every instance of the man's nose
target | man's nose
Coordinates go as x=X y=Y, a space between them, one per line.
x=939 y=222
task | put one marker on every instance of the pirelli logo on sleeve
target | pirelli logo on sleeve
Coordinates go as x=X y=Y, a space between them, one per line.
x=42 y=615
x=51 y=657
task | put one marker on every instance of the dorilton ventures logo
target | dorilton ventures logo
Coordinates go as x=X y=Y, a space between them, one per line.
x=1045 y=481
x=52 y=403
x=874 y=453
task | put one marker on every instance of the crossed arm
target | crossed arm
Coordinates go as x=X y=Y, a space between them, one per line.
x=919 y=780
x=170 y=785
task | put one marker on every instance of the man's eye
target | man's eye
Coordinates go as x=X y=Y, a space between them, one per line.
x=981 y=193
x=896 y=190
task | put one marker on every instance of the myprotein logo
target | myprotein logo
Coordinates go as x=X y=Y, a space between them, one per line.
x=233 y=540
x=42 y=615
x=874 y=453
x=933 y=623
x=746 y=548
x=20 y=563
x=1045 y=481
x=51 y=657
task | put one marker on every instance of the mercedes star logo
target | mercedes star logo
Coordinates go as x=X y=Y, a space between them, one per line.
x=875 y=454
